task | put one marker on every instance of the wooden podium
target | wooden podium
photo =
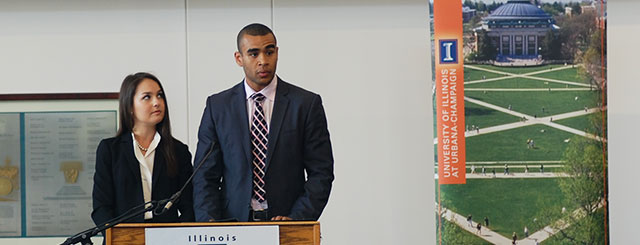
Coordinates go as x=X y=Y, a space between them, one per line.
x=291 y=232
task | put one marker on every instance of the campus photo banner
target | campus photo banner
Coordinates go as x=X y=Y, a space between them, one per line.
x=520 y=112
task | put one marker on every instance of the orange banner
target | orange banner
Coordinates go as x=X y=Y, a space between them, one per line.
x=447 y=20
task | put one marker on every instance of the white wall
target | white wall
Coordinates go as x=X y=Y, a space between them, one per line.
x=624 y=119
x=368 y=59
x=370 y=62
x=212 y=29
x=90 y=46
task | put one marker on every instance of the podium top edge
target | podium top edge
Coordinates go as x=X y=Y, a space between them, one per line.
x=193 y=224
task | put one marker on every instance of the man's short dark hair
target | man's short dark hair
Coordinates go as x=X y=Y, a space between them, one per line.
x=255 y=29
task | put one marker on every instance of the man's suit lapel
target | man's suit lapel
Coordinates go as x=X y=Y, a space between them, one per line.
x=277 y=117
x=239 y=113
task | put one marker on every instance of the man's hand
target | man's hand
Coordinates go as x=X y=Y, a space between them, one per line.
x=280 y=218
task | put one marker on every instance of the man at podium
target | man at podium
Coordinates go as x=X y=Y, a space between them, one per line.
x=271 y=156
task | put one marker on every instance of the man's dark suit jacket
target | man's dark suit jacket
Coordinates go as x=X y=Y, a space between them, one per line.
x=298 y=141
x=117 y=184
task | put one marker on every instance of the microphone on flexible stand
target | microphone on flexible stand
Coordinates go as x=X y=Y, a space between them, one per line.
x=167 y=203
x=84 y=237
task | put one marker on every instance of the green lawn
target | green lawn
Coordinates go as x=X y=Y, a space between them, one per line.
x=580 y=123
x=518 y=70
x=570 y=74
x=519 y=83
x=510 y=145
x=510 y=204
x=484 y=117
x=472 y=74
x=480 y=116
x=534 y=168
x=474 y=239
x=532 y=102
x=554 y=239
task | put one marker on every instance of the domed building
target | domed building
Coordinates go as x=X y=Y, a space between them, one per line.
x=517 y=28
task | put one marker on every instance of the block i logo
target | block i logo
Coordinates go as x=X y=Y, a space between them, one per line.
x=449 y=51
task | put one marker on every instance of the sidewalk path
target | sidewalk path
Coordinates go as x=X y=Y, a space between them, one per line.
x=526 y=89
x=495 y=238
x=486 y=234
x=526 y=75
x=531 y=175
x=513 y=162
x=530 y=120
x=492 y=236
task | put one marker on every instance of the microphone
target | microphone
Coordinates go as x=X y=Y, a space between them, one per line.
x=84 y=237
x=174 y=198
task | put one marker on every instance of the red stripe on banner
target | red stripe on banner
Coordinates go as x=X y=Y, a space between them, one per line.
x=602 y=25
x=447 y=19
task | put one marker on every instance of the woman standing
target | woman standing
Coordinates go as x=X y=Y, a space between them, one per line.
x=143 y=162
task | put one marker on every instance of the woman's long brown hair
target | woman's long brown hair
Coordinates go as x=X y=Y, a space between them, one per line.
x=127 y=93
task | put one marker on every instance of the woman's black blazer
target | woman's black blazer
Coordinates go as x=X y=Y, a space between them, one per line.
x=117 y=185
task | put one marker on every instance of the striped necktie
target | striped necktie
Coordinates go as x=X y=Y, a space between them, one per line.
x=259 y=133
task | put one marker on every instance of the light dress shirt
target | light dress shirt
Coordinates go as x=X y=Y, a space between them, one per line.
x=146 y=168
